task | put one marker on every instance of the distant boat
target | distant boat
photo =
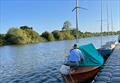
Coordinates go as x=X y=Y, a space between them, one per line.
x=105 y=52
x=109 y=46
x=119 y=38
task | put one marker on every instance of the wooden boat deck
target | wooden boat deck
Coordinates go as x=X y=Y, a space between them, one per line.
x=111 y=71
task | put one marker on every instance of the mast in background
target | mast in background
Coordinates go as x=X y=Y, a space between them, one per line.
x=111 y=22
x=107 y=19
x=76 y=8
x=76 y=21
x=101 y=24
x=77 y=25
x=119 y=15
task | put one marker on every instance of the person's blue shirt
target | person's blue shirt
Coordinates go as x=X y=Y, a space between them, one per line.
x=75 y=55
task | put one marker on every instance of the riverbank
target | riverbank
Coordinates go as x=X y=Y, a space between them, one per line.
x=26 y=35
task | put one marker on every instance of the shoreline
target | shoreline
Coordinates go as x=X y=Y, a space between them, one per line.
x=52 y=41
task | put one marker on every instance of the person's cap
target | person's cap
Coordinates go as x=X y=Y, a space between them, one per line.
x=75 y=46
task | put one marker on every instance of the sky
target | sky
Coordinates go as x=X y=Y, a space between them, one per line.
x=49 y=15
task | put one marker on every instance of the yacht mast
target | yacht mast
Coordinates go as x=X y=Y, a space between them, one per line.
x=77 y=25
x=76 y=8
x=107 y=20
x=111 y=21
x=101 y=23
x=76 y=21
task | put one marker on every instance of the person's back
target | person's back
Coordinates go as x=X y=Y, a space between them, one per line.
x=75 y=55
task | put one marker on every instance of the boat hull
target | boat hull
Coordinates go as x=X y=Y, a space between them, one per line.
x=82 y=77
x=105 y=53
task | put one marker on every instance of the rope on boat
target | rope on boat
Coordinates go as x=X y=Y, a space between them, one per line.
x=65 y=54
x=71 y=78
x=66 y=79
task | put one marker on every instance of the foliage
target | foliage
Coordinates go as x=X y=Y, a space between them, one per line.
x=22 y=36
x=73 y=32
x=2 y=40
x=26 y=34
x=26 y=27
x=57 y=35
x=16 y=36
x=66 y=26
x=66 y=35
x=32 y=36
x=48 y=36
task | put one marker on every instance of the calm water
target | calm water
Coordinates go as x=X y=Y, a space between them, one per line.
x=38 y=63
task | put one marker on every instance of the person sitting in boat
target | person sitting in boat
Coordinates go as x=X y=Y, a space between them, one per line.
x=75 y=57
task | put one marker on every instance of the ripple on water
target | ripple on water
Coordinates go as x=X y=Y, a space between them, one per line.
x=37 y=77
x=50 y=75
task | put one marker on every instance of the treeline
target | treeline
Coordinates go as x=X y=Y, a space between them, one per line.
x=25 y=35
x=22 y=35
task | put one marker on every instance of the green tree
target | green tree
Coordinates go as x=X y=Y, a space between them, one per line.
x=22 y=36
x=48 y=36
x=67 y=36
x=118 y=32
x=57 y=35
x=32 y=36
x=26 y=27
x=73 y=32
x=16 y=36
x=2 y=40
x=66 y=26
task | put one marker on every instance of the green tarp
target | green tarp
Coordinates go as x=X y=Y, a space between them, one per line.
x=92 y=56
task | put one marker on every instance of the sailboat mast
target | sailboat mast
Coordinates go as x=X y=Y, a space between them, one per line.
x=119 y=16
x=101 y=23
x=107 y=20
x=111 y=21
x=76 y=21
x=76 y=8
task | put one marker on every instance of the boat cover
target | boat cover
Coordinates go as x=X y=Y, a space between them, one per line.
x=105 y=52
x=91 y=56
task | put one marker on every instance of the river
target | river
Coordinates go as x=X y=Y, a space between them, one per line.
x=40 y=62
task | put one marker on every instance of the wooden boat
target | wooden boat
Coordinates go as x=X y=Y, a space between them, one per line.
x=85 y=74
x=89 y=67
x=82 y=75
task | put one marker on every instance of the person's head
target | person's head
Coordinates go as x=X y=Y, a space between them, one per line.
x=75 y=46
